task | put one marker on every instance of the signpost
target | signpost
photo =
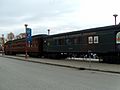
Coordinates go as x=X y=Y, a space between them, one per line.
x=28 y=39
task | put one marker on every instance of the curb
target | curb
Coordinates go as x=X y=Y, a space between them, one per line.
x=68 y=66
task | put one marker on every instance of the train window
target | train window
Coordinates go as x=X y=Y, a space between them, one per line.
x=118 y=38
x=48 y=44
x=71 y=41
x=56 y=42
x=76 y=40
x=96 y=39
x=90 y=40
x=68 y=41
x=45 y=41
x=61 y=42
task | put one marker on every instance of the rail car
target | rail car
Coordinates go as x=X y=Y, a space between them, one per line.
x=19 y=46
x=102 y=41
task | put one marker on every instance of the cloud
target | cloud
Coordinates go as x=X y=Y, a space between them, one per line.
x=57 y=15
x=13 y=11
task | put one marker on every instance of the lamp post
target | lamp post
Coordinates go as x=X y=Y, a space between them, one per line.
x=115 y=15
x=48 y=31
x=3 y=44
x=26 y=55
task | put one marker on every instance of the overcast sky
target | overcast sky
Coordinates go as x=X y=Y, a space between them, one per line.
x=57 y=15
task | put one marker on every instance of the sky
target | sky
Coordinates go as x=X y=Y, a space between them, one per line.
x=57 y=15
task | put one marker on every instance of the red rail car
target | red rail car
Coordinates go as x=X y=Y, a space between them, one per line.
x=19 y=46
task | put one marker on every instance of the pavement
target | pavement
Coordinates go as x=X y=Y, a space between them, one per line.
x=70 y=63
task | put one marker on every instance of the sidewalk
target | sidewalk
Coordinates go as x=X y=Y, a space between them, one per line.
x=83 y=65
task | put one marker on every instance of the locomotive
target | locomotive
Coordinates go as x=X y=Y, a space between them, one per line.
x=102 y=41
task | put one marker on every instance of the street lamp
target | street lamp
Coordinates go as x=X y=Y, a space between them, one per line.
x=26 y=26
x=3 y=44
x=115 y=15
x=48 y=31
x=26 y=55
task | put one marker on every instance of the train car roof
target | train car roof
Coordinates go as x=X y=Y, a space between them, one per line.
x=39 y=35
x=23 y=39
x=105 y=28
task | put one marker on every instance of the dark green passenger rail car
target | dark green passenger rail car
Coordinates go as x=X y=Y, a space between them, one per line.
x=103 y=41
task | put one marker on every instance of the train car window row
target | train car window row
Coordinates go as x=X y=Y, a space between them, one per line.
x=67 y=41
x=93 y=39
